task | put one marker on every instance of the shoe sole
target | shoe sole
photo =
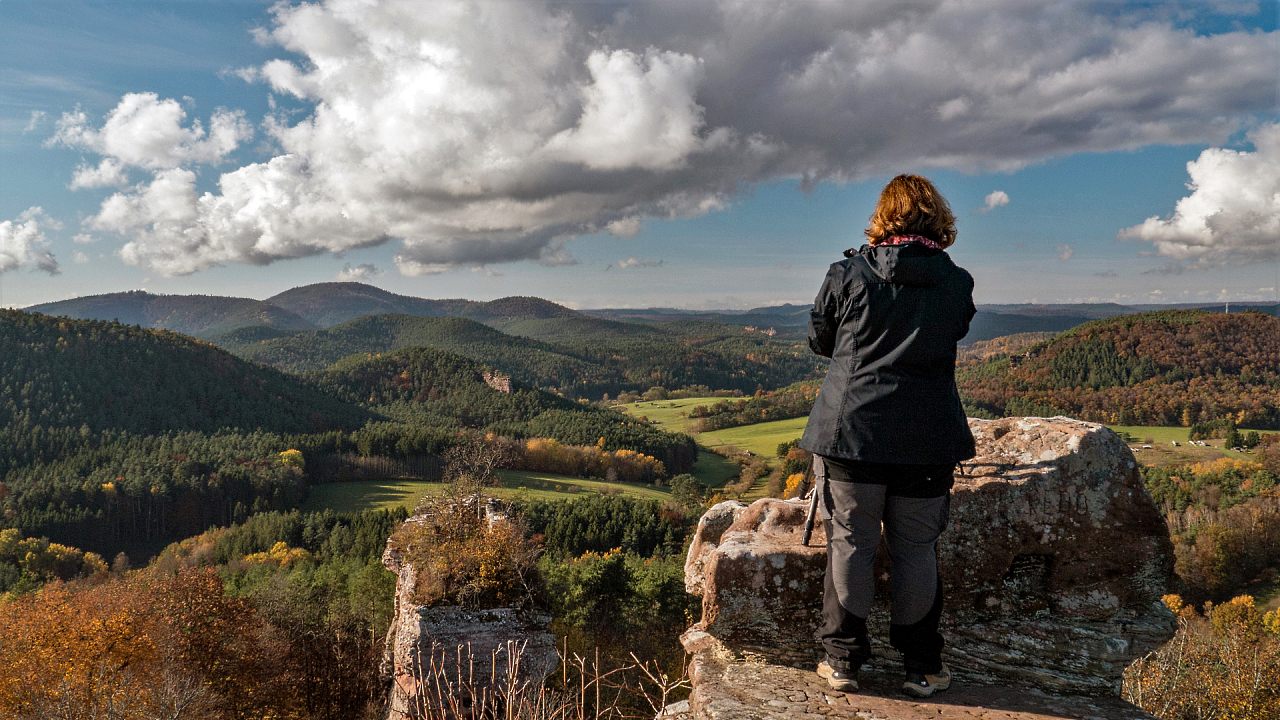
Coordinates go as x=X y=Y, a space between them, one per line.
x=924 y=692
x=847 y=686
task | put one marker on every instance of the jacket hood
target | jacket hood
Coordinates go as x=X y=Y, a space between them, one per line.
x=908 y=264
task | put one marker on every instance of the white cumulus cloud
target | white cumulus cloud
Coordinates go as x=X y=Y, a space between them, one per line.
x=37 y=117
x=359 y=273
x=999 y=198
x=628 y=227
x=1232 y=215
x=634 y=261
x=22 y=242
x=110 y=172
x=147 y=132
x=1064 y=251
x=478 y=132
x=638 y=112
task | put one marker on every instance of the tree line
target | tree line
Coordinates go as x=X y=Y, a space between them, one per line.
x=1168 y=368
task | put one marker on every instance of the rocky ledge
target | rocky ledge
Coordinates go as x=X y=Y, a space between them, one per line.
x=734 y=689
x=1054 y=566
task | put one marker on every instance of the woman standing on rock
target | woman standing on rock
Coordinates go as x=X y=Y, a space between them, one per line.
x=887 y=429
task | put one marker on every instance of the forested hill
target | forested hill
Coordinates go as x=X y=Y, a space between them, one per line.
x=303 y=308
x=196 y=315
x=57 y=372
x=674 y=354
x=578 y=356
x=1172 y=367
x=424 y=388
x=328 y=304
x=529 y=360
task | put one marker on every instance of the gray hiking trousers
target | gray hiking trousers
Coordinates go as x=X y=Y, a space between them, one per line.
x=853 y=514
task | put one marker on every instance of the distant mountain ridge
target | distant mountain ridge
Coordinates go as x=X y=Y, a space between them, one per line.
x=579 y=356
x=329 y=304
x=535 y=340
x=528 y=360
x=991 y=321
x=325 y=305
x=195 y=315
x=310 y=307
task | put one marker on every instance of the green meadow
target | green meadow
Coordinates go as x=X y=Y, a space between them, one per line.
x=713 y=470
x=1163 y=452
x=387 y=494
x=670 y=415
x=1139 y=433
x=760 y=439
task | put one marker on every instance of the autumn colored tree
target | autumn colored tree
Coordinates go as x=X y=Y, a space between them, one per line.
x=465 y=556
x=1223 y=664
x=143 y=647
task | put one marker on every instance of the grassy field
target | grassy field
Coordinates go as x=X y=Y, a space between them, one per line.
x=368 y=495
x=1163 y=452
x=762 y=438
x=384 y=495
x=713 y=470
x=1266 y=595
x=672 y=415
x=1162 y=435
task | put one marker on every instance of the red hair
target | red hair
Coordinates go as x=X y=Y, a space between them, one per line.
x=911 y=205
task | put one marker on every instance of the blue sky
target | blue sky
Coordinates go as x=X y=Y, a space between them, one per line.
x=632 y=154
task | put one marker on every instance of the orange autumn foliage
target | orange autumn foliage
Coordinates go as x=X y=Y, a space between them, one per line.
x=548 y=455
x=1223 y=665
x=140 y=647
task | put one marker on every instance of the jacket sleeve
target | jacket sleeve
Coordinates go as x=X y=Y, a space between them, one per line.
x=823 y=318
x=972 y=310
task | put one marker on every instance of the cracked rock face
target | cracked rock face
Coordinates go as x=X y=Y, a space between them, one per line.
x=1053 y=565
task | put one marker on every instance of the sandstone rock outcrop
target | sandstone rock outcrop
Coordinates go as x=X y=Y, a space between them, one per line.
x=1054 y=565
x=471 y=651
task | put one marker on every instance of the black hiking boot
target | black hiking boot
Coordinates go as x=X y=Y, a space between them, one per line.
x=923 y=685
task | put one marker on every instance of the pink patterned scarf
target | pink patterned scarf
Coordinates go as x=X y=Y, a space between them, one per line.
x=903 y=239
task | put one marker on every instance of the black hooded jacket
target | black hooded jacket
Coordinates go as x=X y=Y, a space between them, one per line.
x=889 y=317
